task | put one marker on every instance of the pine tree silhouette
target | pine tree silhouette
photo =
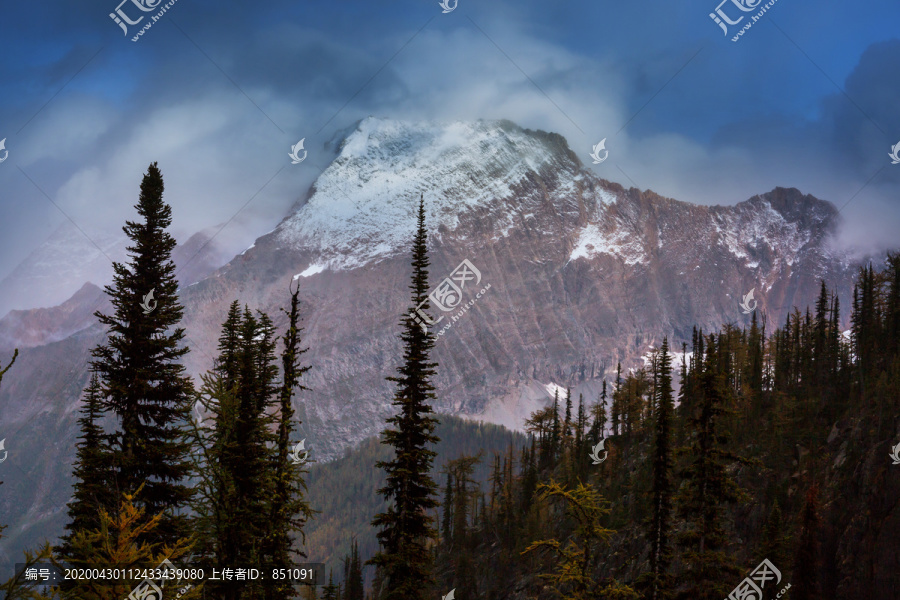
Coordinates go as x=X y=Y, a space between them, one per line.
x=660 y=522
x=288 y=510
x=406 y=526
x=142 y=378
x=91 y=473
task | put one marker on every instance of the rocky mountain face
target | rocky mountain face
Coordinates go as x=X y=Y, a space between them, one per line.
x=582 y=272
x=40 y=326
x=567 y=274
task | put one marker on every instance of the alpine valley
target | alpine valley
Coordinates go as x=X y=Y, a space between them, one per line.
x=583 y=274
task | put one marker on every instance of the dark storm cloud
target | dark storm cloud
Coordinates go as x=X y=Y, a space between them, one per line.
x=220 y=105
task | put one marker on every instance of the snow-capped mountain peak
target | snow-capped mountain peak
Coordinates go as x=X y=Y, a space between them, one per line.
x=363 y=207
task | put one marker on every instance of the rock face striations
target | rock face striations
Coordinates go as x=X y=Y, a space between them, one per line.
x=582 y=272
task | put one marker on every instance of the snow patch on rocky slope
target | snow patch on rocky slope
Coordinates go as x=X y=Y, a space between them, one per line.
x=363 y=208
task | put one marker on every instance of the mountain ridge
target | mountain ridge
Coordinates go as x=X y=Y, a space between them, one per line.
x=584 y=273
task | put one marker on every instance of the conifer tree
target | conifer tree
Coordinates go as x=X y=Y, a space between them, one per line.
x=91 y=473
x=707 y=488
x=529 y=478
x=660 y=521
x=567 y=423
x=616 y=411
x=353 y=584
x=555 y=429
x=405 y=528
x=20 y=586
x=541 y=424
x=465 y=491
x=755 y=342
x=598 y=425
x=140 y=368
x=239 y=455
x=288 y=510
x=574 y=578
x=580 y=454
x=446 y=523
x=251 y=457
x=116 y=542
x=330 y=591
x=891 y=305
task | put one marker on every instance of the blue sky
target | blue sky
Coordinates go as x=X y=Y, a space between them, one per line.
x=218 y=92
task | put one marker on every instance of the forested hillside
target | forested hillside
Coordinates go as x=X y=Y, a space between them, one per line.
x=779 y=449
x=344 y=490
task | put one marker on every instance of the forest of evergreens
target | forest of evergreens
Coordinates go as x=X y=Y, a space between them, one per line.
x=698 y=487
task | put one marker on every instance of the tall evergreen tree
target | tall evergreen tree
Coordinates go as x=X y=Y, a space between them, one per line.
x=616 y=410
x=464 y=493
x=555 y=428
x=240 y=501
x=891 y=305
x=529 y=478
x=141 y=371
x=598 y=422
x=660 y=521
x=330 y=591
x=447 y=522
x=406 y=526
x=288 y=511
x=91 y=473
x=353 y=586
x=580 y=453
x=567 y=422
x=707 y=488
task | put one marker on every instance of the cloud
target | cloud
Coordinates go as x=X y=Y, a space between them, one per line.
x=714 y=126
